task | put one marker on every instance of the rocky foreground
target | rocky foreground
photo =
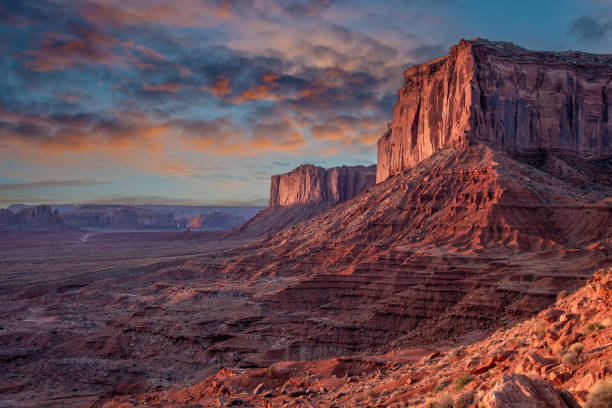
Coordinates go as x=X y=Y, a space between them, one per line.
x=550 y=360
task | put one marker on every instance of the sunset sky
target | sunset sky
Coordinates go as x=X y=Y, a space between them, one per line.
x=200 y=102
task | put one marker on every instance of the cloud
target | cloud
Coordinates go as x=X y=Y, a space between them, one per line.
x=348 y=130
x=50 y=183
x=587 y=28
x=75 y=44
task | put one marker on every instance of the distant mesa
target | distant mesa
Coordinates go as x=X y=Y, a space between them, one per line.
x=520 y=101
x=311 y=184
x=41 y=216
x=121 y=217
x=306 y=192
x=118 y=217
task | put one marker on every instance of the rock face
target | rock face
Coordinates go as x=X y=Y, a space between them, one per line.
x=514 y=99
x=39 y=216
x=308 y=183
x=119 y=217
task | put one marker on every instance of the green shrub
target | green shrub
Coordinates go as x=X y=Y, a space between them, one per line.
x=463 y=381
x=600 y=395
x=593 y=327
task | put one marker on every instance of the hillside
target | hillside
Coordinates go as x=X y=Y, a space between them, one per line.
x=552 y=360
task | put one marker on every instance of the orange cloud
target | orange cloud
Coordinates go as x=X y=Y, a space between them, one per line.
x=61 y=51
x=346 y=130
x=257 y=93
x=220 y=87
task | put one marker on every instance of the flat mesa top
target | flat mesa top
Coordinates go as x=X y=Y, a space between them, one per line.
x=508 y=49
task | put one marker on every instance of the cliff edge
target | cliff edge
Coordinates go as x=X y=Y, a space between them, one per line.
x=308 y=183
x=514 y=99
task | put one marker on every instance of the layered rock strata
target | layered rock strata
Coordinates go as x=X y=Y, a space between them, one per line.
x=511 y=98
x=308 y=183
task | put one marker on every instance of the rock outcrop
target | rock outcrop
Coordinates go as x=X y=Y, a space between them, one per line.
x=31 y=217
x=511 y=98
x=308 y=183
x=304 y=193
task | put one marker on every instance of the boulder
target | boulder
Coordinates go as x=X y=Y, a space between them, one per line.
x=521 y=391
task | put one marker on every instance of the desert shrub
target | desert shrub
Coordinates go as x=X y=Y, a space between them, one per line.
x=569 y=358
x=439 y=387
x=445 y=402
x=563 y=294
x=576 y=348
x=540 y=331
x=600 y=395
x=593 y=327
x=270 y=371
x=463 y=381
x=372 y=394
x=464 y=400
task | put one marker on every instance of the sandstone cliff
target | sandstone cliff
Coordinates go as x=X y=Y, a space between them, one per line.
x=308 y=183
x=304 y=193
x=495 y=92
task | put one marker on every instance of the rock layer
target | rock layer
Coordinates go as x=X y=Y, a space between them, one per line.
x=495 y=92
x=308 y=183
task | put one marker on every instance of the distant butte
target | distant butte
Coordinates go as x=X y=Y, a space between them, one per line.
x=305 y=192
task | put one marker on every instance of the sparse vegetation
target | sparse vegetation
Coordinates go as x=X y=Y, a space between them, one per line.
x=600 y=395
x=445 y=402
x=563 y=294
x=540 y=331
x=462 y=381
x=464 y=400
x=372 y=394
x=569 y=358
x=576 y=348
x=593 y=327
x=441 y=386
x=270 y=371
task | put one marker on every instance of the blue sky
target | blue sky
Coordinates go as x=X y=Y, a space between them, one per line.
x=201 y=101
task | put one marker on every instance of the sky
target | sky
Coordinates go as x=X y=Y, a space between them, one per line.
x=201 y=101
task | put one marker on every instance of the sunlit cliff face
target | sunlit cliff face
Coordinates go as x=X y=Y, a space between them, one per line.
x=201 y=101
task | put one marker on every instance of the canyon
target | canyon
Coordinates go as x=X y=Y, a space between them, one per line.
x=465 y=256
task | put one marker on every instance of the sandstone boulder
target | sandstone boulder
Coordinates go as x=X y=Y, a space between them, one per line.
x=521 y=391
